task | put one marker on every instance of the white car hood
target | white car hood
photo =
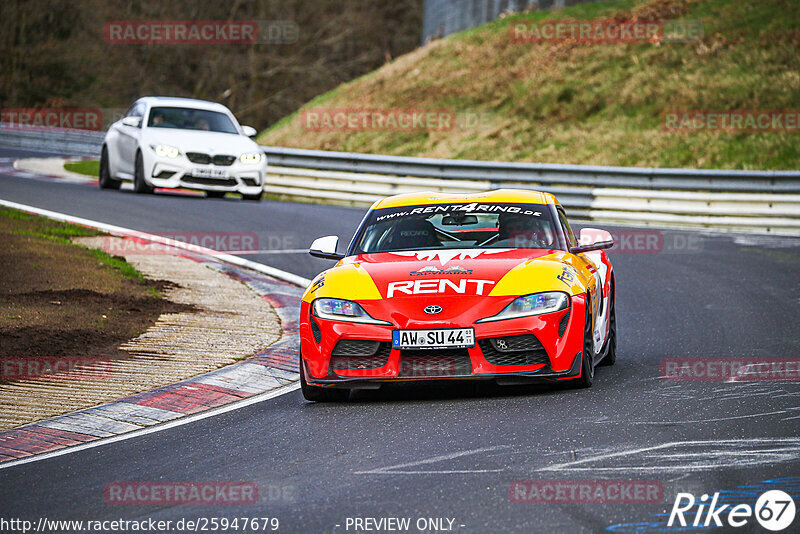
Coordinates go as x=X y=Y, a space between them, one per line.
x=206 y=142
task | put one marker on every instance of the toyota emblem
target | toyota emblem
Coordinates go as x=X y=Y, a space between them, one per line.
x=433 y=310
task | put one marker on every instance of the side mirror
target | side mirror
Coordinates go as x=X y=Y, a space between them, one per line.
x=593 y=239
x=134 y=122
x=325 y=247
x=249 y=131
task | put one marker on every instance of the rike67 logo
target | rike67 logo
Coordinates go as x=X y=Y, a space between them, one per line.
x=774 y=510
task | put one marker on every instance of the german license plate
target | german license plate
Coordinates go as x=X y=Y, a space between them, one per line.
x=208 y=172
x=445 y=338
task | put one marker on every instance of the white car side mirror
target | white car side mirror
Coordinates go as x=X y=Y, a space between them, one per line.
x=132 y=121
x=325 y=247
x=593 y=239
x=249 y=131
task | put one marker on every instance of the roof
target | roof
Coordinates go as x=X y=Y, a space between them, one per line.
x=182 y=102
x=523 y=196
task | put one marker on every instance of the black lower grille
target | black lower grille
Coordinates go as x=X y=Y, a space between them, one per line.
x=562 y=326
x=356 y=347
x=316 y=331
x=514 y=350
x=209 y=181
x=164 y=174
x=249 y=181
x=374 y=360
x=450 y=362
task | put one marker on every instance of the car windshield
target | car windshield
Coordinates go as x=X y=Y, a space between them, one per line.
x=441 y=226
x=191 y=119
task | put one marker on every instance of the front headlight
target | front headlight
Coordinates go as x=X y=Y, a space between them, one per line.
x=251 y=158
x=535 y=304
x=343 y=310
x=166 y=151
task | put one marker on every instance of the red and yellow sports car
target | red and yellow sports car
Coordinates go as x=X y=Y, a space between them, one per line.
x=444 y=286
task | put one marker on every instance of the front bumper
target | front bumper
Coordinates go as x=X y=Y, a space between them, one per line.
x=554 y=351
x=173 y=173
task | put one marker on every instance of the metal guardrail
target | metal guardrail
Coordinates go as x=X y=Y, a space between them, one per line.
x=763 y=201
x=61 y=141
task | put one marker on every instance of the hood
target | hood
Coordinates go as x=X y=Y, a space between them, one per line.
x=206 y=142
x=447 y=273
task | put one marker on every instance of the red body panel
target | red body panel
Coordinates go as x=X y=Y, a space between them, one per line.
x=407 y=288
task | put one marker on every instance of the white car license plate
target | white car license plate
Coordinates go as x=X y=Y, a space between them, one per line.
x=208 y=172
x=446 y=338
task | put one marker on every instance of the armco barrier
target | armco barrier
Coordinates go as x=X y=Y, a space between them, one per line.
x=760 y=201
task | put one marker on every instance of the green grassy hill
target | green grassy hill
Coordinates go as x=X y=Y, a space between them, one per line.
x=569 y=102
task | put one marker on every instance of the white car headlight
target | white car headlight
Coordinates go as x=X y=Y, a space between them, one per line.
x=250 y=158
x=166 y=151
x=535 y=304
x=343 y=310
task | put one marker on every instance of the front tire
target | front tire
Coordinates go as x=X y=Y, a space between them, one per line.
x=587 y=356
x=139 y=185
x=611 y=343
x=317 y=393
x=104 y=176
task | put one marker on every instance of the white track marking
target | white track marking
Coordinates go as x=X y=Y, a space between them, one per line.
x=739 y=453
x=397 y=469
x=126 y=232
x=158 y=428
x=696 y=421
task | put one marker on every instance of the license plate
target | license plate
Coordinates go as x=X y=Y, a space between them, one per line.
x=446 y=338
x=207 y=172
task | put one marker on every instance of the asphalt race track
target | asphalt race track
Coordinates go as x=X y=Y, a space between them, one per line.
x=454 y=451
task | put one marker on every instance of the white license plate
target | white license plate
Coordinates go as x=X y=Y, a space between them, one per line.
x=207 y=172
x=446 y=338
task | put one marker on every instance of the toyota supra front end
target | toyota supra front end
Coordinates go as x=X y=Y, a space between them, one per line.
x=435 y=286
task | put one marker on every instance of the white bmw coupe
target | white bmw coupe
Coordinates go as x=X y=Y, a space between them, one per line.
x=180 y=142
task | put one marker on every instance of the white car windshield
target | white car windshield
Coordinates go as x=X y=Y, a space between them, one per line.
x=190 y=119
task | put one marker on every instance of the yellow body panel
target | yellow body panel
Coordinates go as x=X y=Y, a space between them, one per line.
x=344 y=281
x=546 y=273
x=433 y=197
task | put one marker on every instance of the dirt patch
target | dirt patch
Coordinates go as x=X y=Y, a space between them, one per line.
x=61 y=299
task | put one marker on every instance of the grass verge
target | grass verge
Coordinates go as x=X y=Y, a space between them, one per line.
x=89 y=167
x=571 y=102
x=62 y=299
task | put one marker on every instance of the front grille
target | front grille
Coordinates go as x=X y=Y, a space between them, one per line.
x=223 y=161
x=514 y=350
x=353 y=356
x=447 y=362
x=208 y=181
x=199 y=157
